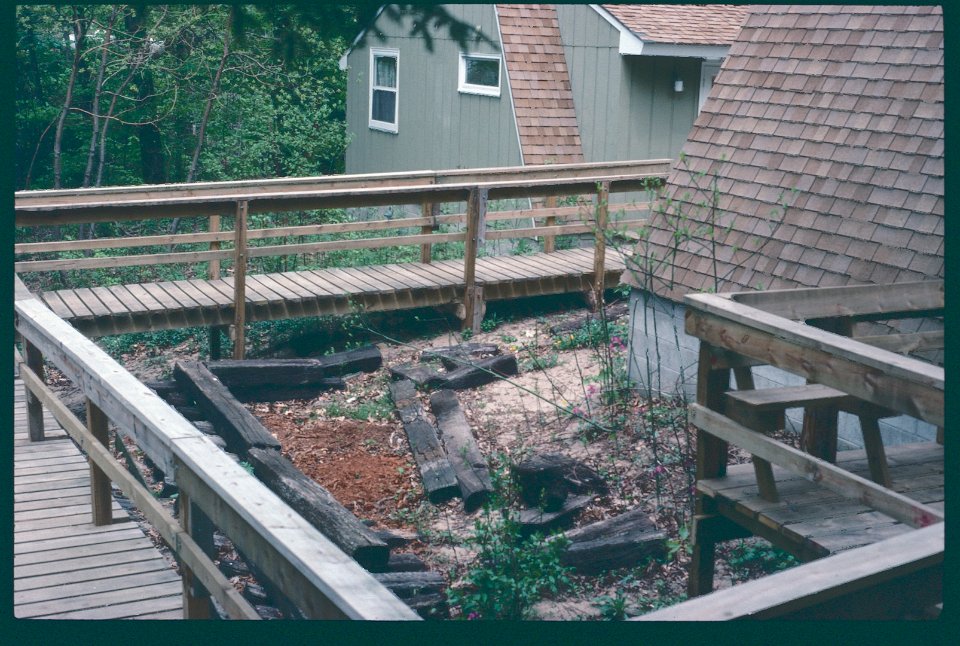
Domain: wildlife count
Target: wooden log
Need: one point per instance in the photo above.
(480, 373)
(455, 356)
(611, 312)
(546, 479)
(621, 541)
(393, 538)
(296, 372)
(283, 393)
(421, 376)
(408, 584)
(319, 508)
(537, 520)
(468, 462)
(406, 563)
(234, 423)
(439, 480)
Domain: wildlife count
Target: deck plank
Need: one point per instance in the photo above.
(64, 566)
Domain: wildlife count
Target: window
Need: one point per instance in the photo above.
(480, 74)
(384, 65)
(708, 72)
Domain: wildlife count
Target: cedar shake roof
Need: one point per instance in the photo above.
(706, 24)
(540, 84)
(844, 106)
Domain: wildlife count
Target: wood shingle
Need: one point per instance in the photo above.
(825, 130)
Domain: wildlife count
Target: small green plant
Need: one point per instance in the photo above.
(753, 557)
(679, 544)
(375, 409)
(613, 608)
(510, 572)
(490, 323)
(466, 334)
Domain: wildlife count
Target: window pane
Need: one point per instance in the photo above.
(386, 71)
(483, 71)
(384, 106)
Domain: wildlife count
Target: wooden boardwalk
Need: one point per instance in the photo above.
(64, 566)
(811, 521)
(118, 309)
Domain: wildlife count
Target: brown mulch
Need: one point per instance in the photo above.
(364, 465)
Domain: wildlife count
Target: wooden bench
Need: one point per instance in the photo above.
(764, 411)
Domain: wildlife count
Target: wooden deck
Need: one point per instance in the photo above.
(810, 521)
(152, 306)
(64, 566)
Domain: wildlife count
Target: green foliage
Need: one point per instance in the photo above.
(752, 557)
(510, 572)
(364, 410)
(595, 333)
(491, 322)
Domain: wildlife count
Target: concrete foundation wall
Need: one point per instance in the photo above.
(663, 360)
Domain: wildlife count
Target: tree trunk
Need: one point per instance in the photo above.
(95, 107)
(214, 90)
(79, 26)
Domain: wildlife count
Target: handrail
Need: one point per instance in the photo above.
(423, 189)
(318, 577)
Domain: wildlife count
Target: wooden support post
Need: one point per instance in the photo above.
(818, 436)
(428, 210)
(876, 456)
(240, 280)
(196, 598)
(476, 223)
(763, 470)
(600, 244)
(101, 496)
(711, 463)
(213, 273)
(34, 407)
(214, 269)
(550, 241)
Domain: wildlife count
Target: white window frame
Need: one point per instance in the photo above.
(708, 71)
(375, 124)
(470, 88)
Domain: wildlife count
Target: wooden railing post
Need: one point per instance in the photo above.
(196, 598)
(600, 243)
(711, 463)
(550, 241)
(34, 360)
(818, 436)
(101, 496)
(213, 273)
(428, 210)
(476, 223)
(240, 280)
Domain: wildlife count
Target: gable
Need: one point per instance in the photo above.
(824, 134)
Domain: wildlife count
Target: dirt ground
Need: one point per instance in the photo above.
(352, 443)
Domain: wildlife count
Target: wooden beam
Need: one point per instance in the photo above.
(213, 271)
(871, 301)
(181, 543)
(476, 223)
(304, 562)
(826, 583)
(905, 343)
(895, 505)
(34, 408)
(550, 241)
(240, 281)
(101, 495)
(884, 378)
(428, 210)
(196, 599)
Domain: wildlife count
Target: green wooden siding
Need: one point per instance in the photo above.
(626, 106)
(438, 127)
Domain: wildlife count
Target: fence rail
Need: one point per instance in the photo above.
(311, 571)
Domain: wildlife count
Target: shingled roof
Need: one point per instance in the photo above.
(706, 24)
(540, 84)
(824, 135)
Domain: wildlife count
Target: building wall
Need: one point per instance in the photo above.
(438, 127)
(626, 105)
(663, 359)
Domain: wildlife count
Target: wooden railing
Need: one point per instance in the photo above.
(427, 190)
(316, 576)
(808, 332)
